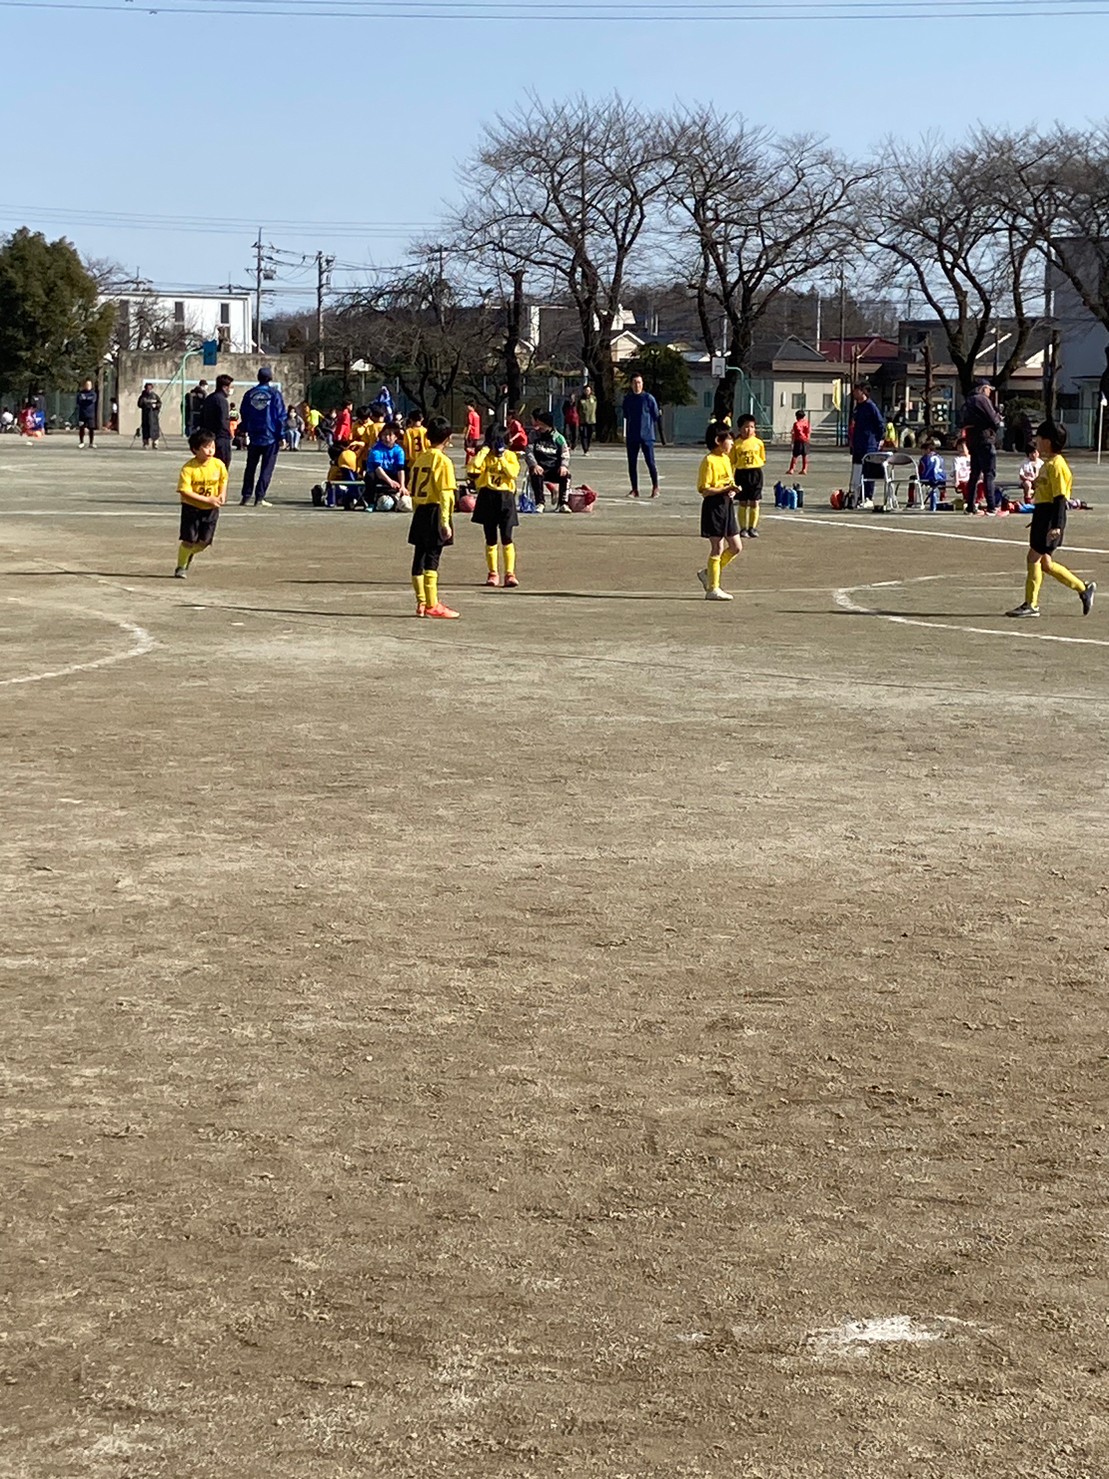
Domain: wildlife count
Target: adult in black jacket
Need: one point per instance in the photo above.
(150, 406)
(193, 402)
(215, 417)
(981, 421)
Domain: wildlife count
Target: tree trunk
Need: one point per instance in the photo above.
(723, 402)
(513, 375)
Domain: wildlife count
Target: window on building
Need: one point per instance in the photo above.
(1069, 402)
(179, 313)
(798, 400)
(225, 313)
(829, 401)
(707, 400)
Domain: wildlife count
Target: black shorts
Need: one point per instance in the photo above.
(198, 525)
(496, 513)
(1043, 521)
(800, 449)
(748, 481)
(718, 517)
(425, 532)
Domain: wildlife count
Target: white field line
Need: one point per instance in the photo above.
(143, 643)
(879, 526)
(844, 599)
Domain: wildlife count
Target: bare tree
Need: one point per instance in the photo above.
(767, 214)
(423, 328)
(938, 216)
(564, 192)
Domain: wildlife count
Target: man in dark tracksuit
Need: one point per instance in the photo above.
(87, 402)
(193, 402)
(263, 420)
(642, 419)
(868, 427)
(215, 417)
(981, 422)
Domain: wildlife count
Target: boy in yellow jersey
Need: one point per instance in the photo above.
(748, 461)
(344, 477)
(1050, 493)
(716, 485)
(414, 438)
(433, 487)
(496, 470)
(202, 488)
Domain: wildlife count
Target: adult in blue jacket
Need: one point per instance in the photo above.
(642, 418)
(262, 417)
(868, 429)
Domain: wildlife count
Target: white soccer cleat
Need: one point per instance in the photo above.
(717, 595)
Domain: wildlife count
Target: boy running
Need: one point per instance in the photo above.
(716, 485)
(1050, 493)
(496, 469)
(433, 487)
(748, 461)
(202, 488)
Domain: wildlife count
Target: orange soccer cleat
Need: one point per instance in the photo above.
(441, 612)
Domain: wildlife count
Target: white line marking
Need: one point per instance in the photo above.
(883, 528)
(843, 599)
(143, 644)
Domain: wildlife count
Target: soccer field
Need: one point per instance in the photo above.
(610, 1035)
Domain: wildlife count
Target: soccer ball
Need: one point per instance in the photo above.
(386, 503)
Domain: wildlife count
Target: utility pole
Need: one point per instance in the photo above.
(265, 270)
(258, 292)
(323, 282)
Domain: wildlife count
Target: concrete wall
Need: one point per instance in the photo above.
(173, 378)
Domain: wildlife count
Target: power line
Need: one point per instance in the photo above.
(149, 221)
(605, 10)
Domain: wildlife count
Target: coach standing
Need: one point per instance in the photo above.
(642, 418)
(981, 422)
(215, 418)
(868, 430)
(263, 420)
(193, 402)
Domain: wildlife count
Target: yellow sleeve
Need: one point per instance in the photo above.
(223, 481)
(704, 477)
(479, 461)
(762, 454)
(512, 465)
(185, 481)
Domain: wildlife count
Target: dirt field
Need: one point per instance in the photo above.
(609, 1036)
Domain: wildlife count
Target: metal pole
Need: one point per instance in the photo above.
(1100, 426)
(258, 292)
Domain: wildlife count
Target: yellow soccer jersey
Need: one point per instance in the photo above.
(345, 462)
(209, 479)
(1055, 480)
(748, 453)
(499, 473)
(433, 481)
(414, 441)
(715, 475)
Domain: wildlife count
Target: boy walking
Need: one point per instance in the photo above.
(748, 461)
(802, 435)
(433, 489)
(202, 488)
(1050, 494)
(716, 485)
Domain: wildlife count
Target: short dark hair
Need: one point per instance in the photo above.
(414, 417)
(438, 430)
(1056, 435)
(715, 432)
(201, 439)
(224, 382)
(389, 427)
(746, 420)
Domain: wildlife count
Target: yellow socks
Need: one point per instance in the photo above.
(726, 558)
(491, 559)
(510, 559)
(431, 587)
(743, 512)
(1032, 583)
(418, 587)
(184, 555)
(1066, 577)
(713, 568)
(753, 516)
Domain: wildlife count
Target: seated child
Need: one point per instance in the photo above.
(933, 474)
(385, 466)
(961, 467)
(343, 483)
(1029, 472)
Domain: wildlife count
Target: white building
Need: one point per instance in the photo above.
(1083, 356)
(149, 318)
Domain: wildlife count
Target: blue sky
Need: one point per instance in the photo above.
(205, 116)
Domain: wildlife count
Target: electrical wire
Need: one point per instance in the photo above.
(600, 11)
